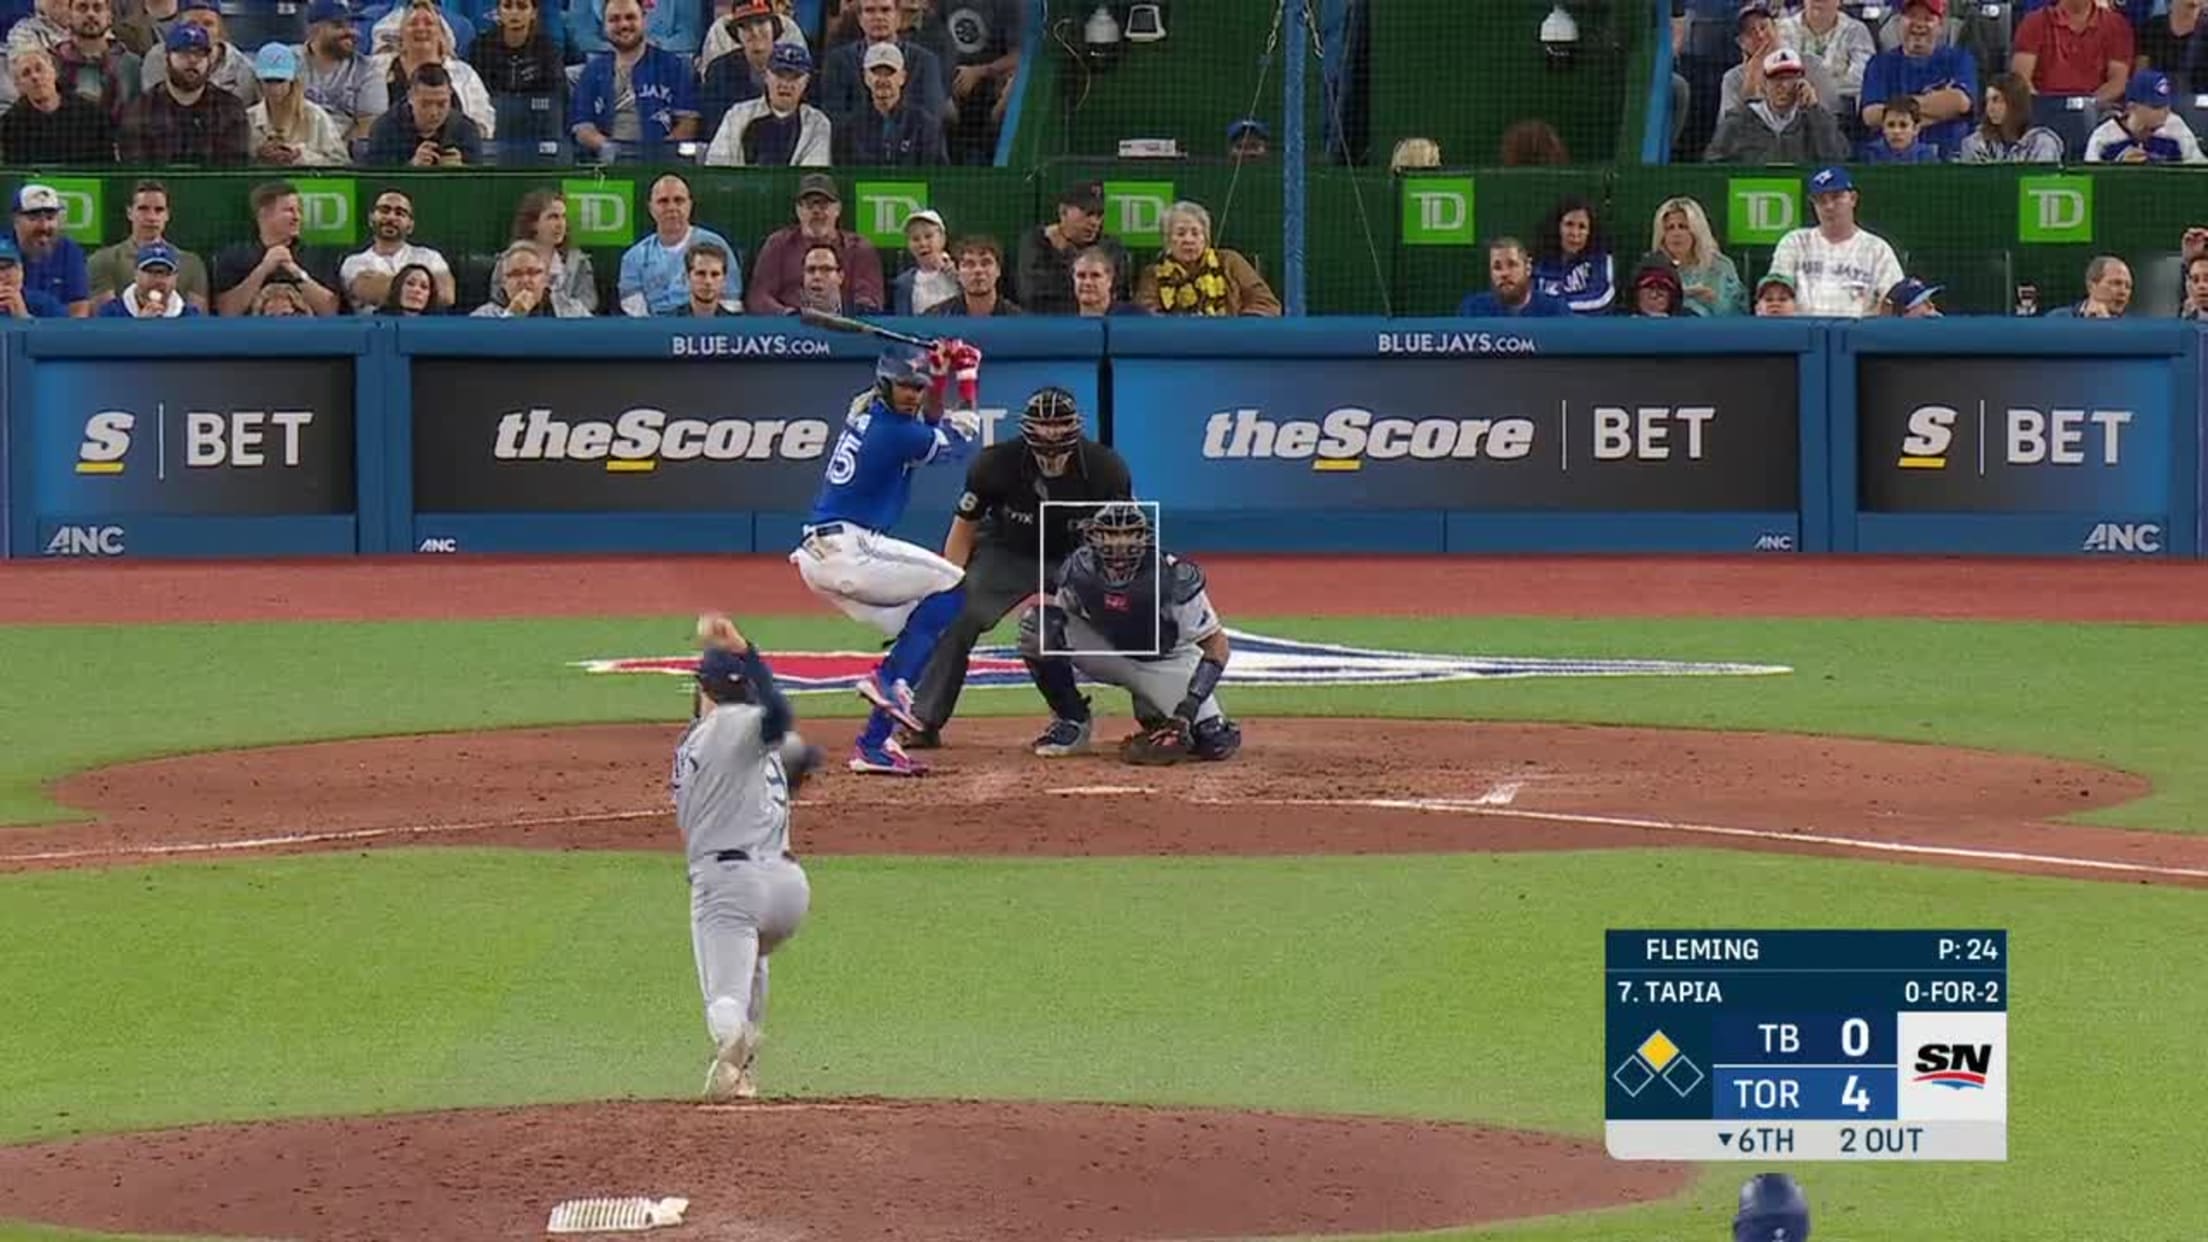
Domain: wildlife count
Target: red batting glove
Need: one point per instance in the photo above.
(965, 361)
(939, 371)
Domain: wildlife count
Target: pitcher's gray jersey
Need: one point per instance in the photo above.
(731, 792)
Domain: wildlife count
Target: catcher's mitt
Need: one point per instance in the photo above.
(1165, 745)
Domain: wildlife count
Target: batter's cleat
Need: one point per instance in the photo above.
(887, 759)
(894, 698)
(920, 739)
(731, 1072)
(1064, 737)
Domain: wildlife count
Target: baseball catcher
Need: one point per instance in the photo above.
(1127, 615)
(1002, 533)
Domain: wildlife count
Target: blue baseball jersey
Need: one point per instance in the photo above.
(869, 479)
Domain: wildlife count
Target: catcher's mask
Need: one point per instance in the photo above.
(1121, 538)
(721, 676)
(1051, 425)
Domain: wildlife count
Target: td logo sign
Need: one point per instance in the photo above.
(326, 214)
(1761, 210)
(2054, 209)
(883, 206)
(600, 213)
(1134, 211)
(1437, 211)
(83, 208)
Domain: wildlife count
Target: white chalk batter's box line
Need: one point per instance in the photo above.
(1157, 566)
(1439, 806)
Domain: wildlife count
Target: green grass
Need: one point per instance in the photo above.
(2126, 696)
(1427, 986)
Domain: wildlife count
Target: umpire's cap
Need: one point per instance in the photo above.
(721, 675)
(1772, 1209)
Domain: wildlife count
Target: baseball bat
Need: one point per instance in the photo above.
(844, 323)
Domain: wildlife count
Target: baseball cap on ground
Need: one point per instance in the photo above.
(276, 62)
(32, 198)
(789, 58)
(185, 37)
(157, 254)
(2149, 87)
(1832, 180)
(884, 54)
(1783, 63)
(817, 185)
(1910, 293)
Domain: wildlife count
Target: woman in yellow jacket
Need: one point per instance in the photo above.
(1194, 277)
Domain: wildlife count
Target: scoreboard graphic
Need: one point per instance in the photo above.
(1806, 1045)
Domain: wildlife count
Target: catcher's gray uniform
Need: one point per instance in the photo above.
(1141, 637)
(747, 892)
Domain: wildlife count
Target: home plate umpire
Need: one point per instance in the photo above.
(997, 529)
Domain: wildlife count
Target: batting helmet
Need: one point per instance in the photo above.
(1122, 540)
(1051, 423)
(721, 676)
(901, 364)
(1772, 1209)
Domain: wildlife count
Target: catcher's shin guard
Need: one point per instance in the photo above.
(1055, 681)
(1215, 739)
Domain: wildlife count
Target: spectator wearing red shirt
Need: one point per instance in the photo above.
(2075, 47)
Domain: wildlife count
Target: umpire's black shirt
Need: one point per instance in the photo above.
(1005, 489)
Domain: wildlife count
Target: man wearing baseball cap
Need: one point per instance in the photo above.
(1786, 126)
(1941, 77)
(738, 55)
(17, 300)
(2148, 132)
(1045, 278)
(1840, 270)
(53, 263)
(185, 120)
(332, 69)
(844, 73)
(153, 294)
(1757, 33)
(888, 132)
(778, 275)
(777, 129)
(227, 68)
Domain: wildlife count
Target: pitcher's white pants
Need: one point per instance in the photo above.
(874, 579)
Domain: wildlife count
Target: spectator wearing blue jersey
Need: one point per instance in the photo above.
(654, 279)
(633, 101)
(2148, 132)
(1942, 77)
(17, 299)
(1571, 260)
(1897, 141)
(1511, 293)
(52, 263)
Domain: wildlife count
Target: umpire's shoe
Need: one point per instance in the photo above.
(1064, 737)
(920, 739)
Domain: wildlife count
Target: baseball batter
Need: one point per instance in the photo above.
(1009, 544)
(734, 773)
(1133, 618)
(848, 558)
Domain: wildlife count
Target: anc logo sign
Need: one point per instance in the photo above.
(1257, 661)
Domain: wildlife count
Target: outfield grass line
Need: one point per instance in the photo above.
(244, 844)
(1456, 807)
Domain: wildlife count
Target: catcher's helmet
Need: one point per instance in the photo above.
(1772, 1209)
(1122, 540)
(901, 364)
(721, 676)
(1051, 423)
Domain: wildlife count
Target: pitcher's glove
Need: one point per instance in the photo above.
(800, 759)
(1162, 746)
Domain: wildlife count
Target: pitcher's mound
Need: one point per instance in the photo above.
(829, 1170)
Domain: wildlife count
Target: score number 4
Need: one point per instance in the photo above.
(1855, 1041)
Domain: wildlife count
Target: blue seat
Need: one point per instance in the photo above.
(531, 130)
(251, 23)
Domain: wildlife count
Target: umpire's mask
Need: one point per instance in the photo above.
(1051, 425)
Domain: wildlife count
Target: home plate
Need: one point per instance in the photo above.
(1103, 789)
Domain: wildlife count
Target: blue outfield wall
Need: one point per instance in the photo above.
(222, 438)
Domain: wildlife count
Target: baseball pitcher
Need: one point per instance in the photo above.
(734, 772)
(848, 558)
(1008, 543)
(1128, 616)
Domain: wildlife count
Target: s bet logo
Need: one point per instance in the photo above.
(106, 442)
